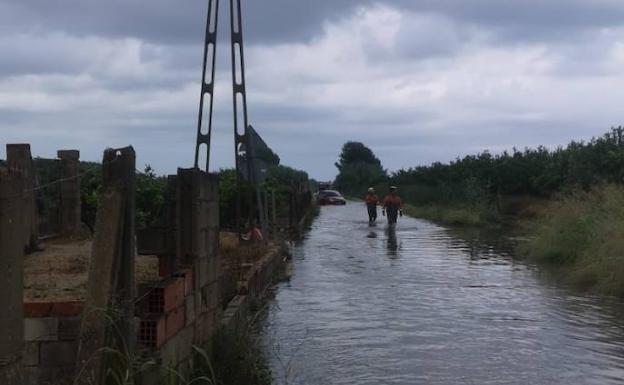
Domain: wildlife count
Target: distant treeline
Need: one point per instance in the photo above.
(538, 171)
(483, 177)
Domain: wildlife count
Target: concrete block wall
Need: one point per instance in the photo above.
(50, 342)
(183, 309)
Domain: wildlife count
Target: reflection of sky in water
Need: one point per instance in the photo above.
(423, 305)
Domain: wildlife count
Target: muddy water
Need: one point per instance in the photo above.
(422, 305)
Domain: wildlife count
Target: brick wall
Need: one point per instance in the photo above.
(50, 342)
(179, 311)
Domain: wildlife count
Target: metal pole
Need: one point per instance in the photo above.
(208, 86)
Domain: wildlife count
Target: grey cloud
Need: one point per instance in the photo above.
(288, 20)
(146, 102)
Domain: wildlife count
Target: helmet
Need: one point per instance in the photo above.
(371, 190)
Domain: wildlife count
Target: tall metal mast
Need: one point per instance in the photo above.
(243, 143)
(204, 136)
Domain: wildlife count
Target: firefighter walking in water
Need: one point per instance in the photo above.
(371, 204)
(392, 206)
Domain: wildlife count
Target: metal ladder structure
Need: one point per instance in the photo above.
(243, 149)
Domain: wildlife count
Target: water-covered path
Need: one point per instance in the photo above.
(423, 306)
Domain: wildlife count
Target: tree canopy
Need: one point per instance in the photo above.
(358, 169)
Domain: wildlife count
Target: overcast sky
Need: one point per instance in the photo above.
(416, 80)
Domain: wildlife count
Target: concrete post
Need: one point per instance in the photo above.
(198, 241)
(291, 208)
(70, 193)
(109, 311)
(19, 158)
(274, 208)
(12, 232)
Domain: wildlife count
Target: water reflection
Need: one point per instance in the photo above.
(392, 244)
(421, 304)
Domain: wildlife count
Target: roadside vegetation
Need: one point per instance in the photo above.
(282, 181)
(568, 202)
(151, 187)
(582, 233)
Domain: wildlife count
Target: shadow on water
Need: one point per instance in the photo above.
(392, 244)
(483, 243)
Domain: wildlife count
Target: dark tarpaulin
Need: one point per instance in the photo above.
(261, 156)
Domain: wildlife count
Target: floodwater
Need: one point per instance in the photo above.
(423, 305)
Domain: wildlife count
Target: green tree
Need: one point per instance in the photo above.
(358, 169)
(150, 196)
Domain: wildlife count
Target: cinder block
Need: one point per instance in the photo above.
(213, 296)
(58, 375)
(41, 329)
(209, 298)
(205, 326)
(203, 273)
(214, 267)
(37, 309)
(31, 375)
(69, 328)
(175, 321)
(178, 349)
(190, 309)
(30, 354)
(58, 353)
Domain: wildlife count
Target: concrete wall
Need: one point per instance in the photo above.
(13, 230)
(184, 308)
(50, 342)
(42, 342)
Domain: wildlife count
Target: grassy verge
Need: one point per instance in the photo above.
(234, 358)
(582, 234)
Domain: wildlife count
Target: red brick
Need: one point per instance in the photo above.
(162, 297)
(67, 309)
(173, 295)
(175, 321)
(164, 267)
(37, 309)
(187, 274)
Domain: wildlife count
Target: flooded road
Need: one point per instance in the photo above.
(424, 306)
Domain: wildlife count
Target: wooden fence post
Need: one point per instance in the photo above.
(12, 230)
(109, 312)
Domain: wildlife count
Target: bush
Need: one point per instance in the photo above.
(583, 231)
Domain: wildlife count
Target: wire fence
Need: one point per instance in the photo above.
(58, 181)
